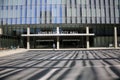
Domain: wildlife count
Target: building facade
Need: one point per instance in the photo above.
(38, 24)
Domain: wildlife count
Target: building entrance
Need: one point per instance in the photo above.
(73, 42)
(42, 42)
(64, 42)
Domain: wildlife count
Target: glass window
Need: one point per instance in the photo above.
(116, 2)
(78, 1)
(48, 14)
(112, 20)
(117, 20)
(98, 12)
(9, 21)
(78, 10)
(58, 11)
(33, 2)
(0, 14)
(68, 12)
(63, 10)
(92, 2)
(74, 12)
(64, 1)
(28, 21)
(103, 19)
(14, 13)
(107, 20)
(28, 11)
(88, 2)
(112, 11)
(13, 21)
(111, 2)
(116, 12)
(83, 20)
(73, 3)
(68, 20)
(63, 20)
(23, 2)
(102, 3)
(10, 12)
(83, 12)
(48, 20)
(20, 2)
(102, 12)
(23, 11)
(28, 2)
(93, 20)
(98, 20)
(107, 11)
(57, 20)
(48, 1)
(54, 12)
(38, 20)
(78, 20)
(23, 20)
(88, 12)
(4, 21)
(5, 2)
(73, 20)
(83, 2)
(97, 3)
(18, 12)
(53, 19)
(1, 2)
(38, 11)
(106, 2)
(58, 1)
(88, 20)
(53, 1)
(18, 20)
(33, 21)
(4, 13)
(33, 11)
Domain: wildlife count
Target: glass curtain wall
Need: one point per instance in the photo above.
(8, 42)
(59, 11)
(104, 36)
(118, 35)
(22, 12)
(11, 37)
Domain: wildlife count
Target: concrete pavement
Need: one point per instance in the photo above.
(11, 52)
(61, 65)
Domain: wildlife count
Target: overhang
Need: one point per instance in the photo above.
(82, 34)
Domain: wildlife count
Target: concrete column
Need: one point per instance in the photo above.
(57, 30)
(115, 37)
(28, 38)
(58, 42)
(87, 38)
(1, 30)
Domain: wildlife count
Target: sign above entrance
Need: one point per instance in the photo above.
(91, 34)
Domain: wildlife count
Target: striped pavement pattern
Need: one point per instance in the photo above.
(61, 65)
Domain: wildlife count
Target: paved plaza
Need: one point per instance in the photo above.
(61, 65)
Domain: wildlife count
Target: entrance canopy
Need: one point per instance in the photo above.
(92, 34)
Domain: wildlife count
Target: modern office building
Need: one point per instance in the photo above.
(38, 24)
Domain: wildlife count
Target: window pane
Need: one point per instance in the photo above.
(83, 12)
(68, 12)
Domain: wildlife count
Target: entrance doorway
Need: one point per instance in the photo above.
(73, 42)
(42, 42)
